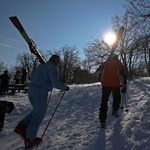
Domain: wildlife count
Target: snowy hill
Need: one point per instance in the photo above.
(75, 125)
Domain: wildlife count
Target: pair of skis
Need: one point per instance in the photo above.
(119, 36)
(31, 43)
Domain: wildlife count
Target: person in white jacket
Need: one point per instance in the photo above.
(43, 80)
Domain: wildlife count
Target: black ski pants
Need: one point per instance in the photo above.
(106, 91)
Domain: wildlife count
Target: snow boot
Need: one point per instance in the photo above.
(21, 129)
(115, 113)
(103, 123)
(32, 142)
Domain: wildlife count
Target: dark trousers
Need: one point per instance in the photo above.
(106, 91)
(3, 89)
(17, 81)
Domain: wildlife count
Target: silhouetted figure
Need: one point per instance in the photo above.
(23, 76)
(17, 77)
(4, 82)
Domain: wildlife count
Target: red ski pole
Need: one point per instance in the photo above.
(51, 118)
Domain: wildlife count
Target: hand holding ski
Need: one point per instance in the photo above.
(33, 49)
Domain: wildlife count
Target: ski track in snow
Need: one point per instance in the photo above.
(76, 126)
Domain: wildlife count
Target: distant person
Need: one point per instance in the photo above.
(17, 77)
(4, 82)
(23, 76)
(43, 80)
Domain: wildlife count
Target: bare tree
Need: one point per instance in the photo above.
(139, 13)
(95, 53)
(3, 67)
(28, 62)
(128, 48)
(139, 9)
(69, 60)
(144, 50)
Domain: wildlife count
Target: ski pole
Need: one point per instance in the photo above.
(124, 99)
(48, 101)
(125, 103)
(51, 117)
(122, 103)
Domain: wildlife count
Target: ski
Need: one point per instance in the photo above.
(31, 43)
(107, 46)
(119, 36)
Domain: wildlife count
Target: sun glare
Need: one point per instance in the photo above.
(110, 38)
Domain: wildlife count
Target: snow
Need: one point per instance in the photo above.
(75, 125)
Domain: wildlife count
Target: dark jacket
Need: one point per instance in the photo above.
(4, 80)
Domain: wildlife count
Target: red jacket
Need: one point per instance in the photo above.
(110, 73)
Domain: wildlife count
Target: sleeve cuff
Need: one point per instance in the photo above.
(124, 86)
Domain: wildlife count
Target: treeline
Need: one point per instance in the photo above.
(133, 50)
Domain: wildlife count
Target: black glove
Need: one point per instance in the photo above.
(67, 88)
(124, 90)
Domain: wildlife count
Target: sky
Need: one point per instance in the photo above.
(54, 23)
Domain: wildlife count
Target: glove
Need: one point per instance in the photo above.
(124, 88)
(67, 88)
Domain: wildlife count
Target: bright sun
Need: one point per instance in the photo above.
(110, 38)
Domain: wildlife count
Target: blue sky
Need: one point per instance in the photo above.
(54, 23)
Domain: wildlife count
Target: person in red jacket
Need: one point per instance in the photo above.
(110, 78)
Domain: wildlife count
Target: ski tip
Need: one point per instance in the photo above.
(12, 17)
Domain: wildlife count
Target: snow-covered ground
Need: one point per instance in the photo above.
(75, 125)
